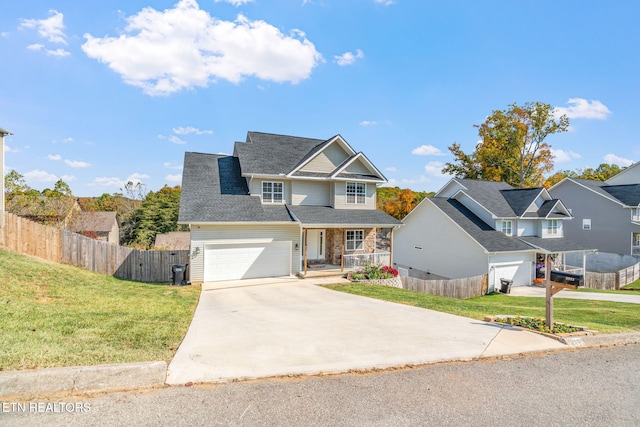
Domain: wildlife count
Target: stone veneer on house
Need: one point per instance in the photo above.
(336, 239)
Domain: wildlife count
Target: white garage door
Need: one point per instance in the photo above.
(520, 274)
(246, 261)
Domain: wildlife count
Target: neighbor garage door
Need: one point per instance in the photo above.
(520, 273)
(246, 261)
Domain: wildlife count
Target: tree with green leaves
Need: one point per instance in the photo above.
(158, 213)
(602, 173)
(512, 147)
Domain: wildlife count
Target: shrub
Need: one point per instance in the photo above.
(373, 272)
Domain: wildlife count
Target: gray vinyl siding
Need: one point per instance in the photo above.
(419, 244)
(327, 160)
(225, 234)
(340, 197)
(311, 193)
(255, 189)
(358, 168)
(611, 226)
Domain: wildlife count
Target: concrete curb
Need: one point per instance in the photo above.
(83, 378)
(603, 340)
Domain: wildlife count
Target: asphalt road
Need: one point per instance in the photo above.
(587, 387)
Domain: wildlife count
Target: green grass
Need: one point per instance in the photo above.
(602, 316)
(58, 315)
(635, 286)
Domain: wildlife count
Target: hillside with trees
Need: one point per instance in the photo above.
(398, 202)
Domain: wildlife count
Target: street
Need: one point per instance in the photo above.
(588, 387)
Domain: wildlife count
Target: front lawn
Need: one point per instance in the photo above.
(602, 316)
(59, 315)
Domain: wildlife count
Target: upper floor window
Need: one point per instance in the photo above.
(507, 228)
(586, 223)
(272, 192)
(356, 192)
(635, 214)
(552, 227)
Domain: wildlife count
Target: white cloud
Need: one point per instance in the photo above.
(60, 53)
(234, 2)
(427, 150)
(76, 163)
(561, 156)
(35, 46)
(617, 160)
(8, 149)
(176, 140)
(391, 169)
(137, 177)
(174, 177)
(163, 52)
(54, 157)
(368, 123)
(348, 58)
(51, 28)
(419, 180)
(385, 2)
(68, 178)
(434, 168)
(40, 176)
(189, 129)
(580, 108)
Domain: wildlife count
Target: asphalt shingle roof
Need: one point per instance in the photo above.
(212, 191)
(555, 245)
(489, 238)
(628, 194)
(271, 154)
(94, 221)
(325, 215)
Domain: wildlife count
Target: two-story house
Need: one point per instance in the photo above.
(280, 205)
(471, 227)
(607, 213)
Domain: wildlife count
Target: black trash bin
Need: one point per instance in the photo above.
(505, 286)
(179, 274)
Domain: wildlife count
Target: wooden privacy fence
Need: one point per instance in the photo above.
(27, 237)
(120, 261)
(468, 287)
(612, 279)
(62, 246)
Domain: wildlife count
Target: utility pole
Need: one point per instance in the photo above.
(3, 133)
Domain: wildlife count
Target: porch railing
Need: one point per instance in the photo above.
(573, 270)
(354, 261)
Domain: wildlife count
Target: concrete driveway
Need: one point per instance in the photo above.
(287, 326)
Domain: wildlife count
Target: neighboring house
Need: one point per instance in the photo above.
(629, 175)
(174, 240)
(57, 211)
(279, 206)
(103, 226)
(474, 227)
(607, 217)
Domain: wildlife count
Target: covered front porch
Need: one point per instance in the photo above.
(335, 251)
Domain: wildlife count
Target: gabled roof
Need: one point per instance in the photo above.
(487, 237)
(271, 154)
(628, 175)
(214, 191)
(502, 200)
(100, 222)
(626, 195)
(339, 172)
(496, 241)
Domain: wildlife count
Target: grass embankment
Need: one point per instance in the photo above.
(602, 316)
(58, 315)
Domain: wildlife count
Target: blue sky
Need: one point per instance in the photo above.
(101, 92)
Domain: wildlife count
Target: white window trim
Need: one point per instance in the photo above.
(272, 193)
(356, 194)
(586, 223)
(507, 230)
(553, 230)
(354, 241)
(635, 214)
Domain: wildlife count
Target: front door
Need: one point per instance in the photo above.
(315, 244)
